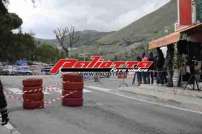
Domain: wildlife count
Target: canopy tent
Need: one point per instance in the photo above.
(194, 32)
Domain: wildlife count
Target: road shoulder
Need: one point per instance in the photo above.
(173, 103)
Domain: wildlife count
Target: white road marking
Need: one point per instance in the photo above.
(16, 90)
(99, 88)
(11, 129)
(86, 91)
(145, 101)
(60, 91)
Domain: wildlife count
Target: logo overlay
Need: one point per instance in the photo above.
(98, 64)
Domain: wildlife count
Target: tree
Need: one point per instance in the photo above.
(3, 9)
(67, 37)
(17, 46)
(13, 46)
(47, 53)
(24, 46)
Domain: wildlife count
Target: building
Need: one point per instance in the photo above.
(187, 38)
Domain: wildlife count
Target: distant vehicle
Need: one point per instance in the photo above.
(9, 70)
(2, 72)
(23, 70)
(46, 70)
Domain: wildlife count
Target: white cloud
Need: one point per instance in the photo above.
(101, 15)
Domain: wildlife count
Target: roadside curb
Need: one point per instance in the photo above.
(169, 100)
(152, 96)
(175, 90)
(141, 94)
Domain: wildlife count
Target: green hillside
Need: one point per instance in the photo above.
(146, 28)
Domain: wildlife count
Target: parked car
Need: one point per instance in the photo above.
(23, 70)
(9, 70)
(2, 72)
(46, 70)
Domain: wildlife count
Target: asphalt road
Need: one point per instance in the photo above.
(102, 113)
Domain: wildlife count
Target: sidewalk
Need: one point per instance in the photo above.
(187, 98)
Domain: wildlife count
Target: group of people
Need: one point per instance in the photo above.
(157, 70)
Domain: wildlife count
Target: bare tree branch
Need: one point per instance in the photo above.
(67, 37)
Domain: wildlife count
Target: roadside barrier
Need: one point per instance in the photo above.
(51, 101)
(13, 97)
(72, 82)
(33, 92)
(33, 100)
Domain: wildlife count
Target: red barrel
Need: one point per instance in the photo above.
(72, 102)
(33, 96)
(72, 77)
(72, 85)
(72, 94)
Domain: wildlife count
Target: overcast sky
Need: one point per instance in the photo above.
(100, 15)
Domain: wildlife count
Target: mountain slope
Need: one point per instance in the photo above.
(147, 27)
(87, 38)
(124, 43)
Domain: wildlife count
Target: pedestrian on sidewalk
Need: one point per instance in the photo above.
(3, 106)
(151, 73)
(161, 74)
(138, 74)
(145, 75)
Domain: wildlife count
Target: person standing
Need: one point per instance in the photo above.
(169, 64)
(138, 74)
(151, 73)
(161, 77)
(145, 75)
(3, 106)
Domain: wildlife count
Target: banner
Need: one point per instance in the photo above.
(185, 12)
